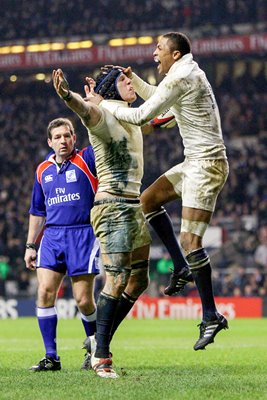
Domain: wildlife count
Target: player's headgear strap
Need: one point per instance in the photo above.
(106, 84)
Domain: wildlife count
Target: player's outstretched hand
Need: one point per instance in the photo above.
(126, 70)
(60, 83)
(90, 94)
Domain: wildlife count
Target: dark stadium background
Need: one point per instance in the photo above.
(229, 41)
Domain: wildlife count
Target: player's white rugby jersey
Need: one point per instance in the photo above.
(187, 92)
(118, 148)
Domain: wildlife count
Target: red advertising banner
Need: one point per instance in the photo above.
(147, 308)
(101, 54)
(190, 308)
(231, 45)
(97, 55)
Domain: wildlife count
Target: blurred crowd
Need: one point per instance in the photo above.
(60, 18)
(240, 264)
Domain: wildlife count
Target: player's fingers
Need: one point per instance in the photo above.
(54, 77)
(128, 72)
(91, 85)
(107, 66)
(90, 81)
(86, 90)
(88, 94)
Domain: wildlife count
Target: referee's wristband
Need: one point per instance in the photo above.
(68, 96)
(31, 246)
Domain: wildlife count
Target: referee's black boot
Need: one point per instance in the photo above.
(47, 364)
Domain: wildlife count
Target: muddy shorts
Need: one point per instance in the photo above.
(120, 226)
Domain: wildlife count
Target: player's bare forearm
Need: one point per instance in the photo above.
(86, 110)
(78, 105)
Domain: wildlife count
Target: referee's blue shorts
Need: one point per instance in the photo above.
(69, 249)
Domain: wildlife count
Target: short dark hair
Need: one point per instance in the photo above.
(55, 123)
(178, 41)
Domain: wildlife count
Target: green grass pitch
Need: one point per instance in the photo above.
(155, 359)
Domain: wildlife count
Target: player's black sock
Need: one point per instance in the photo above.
(200, 267)
(125, 305)
(106, 309)
(161, 223)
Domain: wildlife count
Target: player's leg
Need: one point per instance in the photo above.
(116, 225)
(198, 259)
(117, 268)
(194, 224)
(48, 284)
(153, 198)
(137, 284)
(202, 182)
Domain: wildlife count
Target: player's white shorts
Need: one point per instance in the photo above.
(198, 182)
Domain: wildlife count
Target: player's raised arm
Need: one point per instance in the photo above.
(88, 112)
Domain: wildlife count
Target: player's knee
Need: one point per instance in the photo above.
(149, 202)
(139, 286)
(139, 278)
(116, 279)
(145, 202)
(143, 282)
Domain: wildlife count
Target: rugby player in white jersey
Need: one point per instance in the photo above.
(117, 217)
(198, 180)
